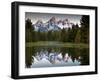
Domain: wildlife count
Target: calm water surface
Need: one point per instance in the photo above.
(56, 56)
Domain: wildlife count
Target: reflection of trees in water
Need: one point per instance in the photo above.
(28, 57)
(85, 57)
(52, 54)
(74, 53)
(80, 54)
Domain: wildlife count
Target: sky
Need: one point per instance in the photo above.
(47, 16)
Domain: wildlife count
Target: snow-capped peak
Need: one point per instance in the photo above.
(52, 24)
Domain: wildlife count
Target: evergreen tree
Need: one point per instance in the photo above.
(78, 37)
(28, 26)
(63, 35)
(72, 34)
(85, 29)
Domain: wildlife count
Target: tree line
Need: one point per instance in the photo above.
(75, 34)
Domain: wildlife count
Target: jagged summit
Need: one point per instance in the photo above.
(52, 24)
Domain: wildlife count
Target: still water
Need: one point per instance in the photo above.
(56, 56)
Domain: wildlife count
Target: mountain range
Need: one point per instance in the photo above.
(52, 25)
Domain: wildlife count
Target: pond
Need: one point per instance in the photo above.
(56, 56)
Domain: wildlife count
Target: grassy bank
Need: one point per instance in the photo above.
(58, 44)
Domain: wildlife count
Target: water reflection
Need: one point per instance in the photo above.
(54, 56)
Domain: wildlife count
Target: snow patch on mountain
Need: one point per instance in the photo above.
(52, 24)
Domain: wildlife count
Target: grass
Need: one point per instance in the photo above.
(57, 44)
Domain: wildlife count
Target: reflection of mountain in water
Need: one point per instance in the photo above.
(56, 56)
(45, 58)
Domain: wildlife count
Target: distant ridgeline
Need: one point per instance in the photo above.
(51, 25)
(62, 30)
